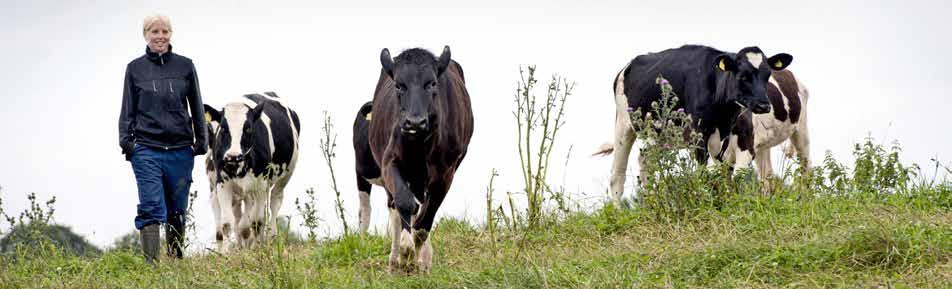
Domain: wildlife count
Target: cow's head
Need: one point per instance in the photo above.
(416, 73)
(746, 74)
(234, 139)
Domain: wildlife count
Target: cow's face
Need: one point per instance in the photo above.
(416, 75)
(747, 75)
(234, 139)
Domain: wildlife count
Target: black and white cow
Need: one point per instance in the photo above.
(787, 120)
(367, 171)
(255, 152)
(212, 118)
(713, 87)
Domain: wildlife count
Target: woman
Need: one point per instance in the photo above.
(161, 129)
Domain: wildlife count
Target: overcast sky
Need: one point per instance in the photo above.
(873, 67)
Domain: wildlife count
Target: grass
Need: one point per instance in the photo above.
(755, 242)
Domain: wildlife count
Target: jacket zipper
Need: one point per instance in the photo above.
(153, 87)
(171, 89)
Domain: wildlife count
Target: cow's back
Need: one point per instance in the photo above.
(689, 69)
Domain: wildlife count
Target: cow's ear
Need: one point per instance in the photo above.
(780, 61)
(444, 60)
(386, 61)
(724, 62)
(212, 114)
(255, 113)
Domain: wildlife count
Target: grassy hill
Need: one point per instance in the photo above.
(752, 242)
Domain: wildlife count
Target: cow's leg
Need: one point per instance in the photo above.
(238, 211)
(624, 139)
(395, 229)
(405, 206)
(742, 157)
(764, 163)
(401, 245)
(216, 215)
(435, 194)
(713, 145)
(801, 142)
(255, 196)
(225, 198)
(764, 168)
(260, 215)
(277, 197)
(426, 256)
(363, 188)
(642, 175)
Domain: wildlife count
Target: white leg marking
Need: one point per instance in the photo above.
(364, 211)
(395, 229)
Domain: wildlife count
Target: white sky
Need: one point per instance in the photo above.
(878, 67)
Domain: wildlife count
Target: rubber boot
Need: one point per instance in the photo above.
(150, 243)
(175, 235)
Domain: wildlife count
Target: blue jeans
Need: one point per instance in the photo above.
(163, 178)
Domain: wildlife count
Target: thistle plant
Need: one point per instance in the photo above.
(675, 185)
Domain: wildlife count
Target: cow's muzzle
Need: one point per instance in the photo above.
(415, 126)
(233, 161)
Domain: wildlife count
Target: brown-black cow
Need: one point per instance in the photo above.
(421, 126)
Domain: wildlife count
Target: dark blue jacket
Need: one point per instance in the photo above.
(158, 93)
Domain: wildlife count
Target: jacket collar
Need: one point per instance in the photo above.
(156, 58)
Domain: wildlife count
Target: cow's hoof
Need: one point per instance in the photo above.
(423, 266)
(402, 268)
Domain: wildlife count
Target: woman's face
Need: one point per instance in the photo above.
(158, 37)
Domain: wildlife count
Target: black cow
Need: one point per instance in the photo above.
(713, 87)
(367, 171)
(255, 152)
(420, 130)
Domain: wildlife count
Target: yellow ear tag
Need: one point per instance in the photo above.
(208, 117)
(779, 64)
(368, 115)
(722, 66)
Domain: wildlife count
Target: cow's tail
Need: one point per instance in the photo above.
(604, 150)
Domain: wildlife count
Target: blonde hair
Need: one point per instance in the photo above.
(151, 20)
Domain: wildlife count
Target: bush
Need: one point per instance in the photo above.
(33, 234)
